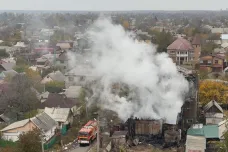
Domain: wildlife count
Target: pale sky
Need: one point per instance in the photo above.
(97, 5)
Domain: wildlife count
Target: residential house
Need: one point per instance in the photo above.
(213, 113)
(73, 92)
(43, 50)
(42, 63)
(45, 61)
(225, 46)
(196, 43)
(181, 51)
(55, 100)
(188, 114)
(222, 127)
(199, 138)
(212, 63)
(8, 117)
(78, 76)
(65, 45)
(54, 76)
(219, 30)
(224, 38)
(64, 116)
(6, 66)
(42, 121)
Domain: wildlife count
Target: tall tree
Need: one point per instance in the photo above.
(210, 90)
(30, 142)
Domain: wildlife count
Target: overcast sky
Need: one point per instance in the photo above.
(96, 5)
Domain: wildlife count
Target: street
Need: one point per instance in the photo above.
(81, 149)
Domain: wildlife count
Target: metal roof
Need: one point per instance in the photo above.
(8, 66)
(208, 131)
(73, 92)
(44, 122)
(210, 104)
(211, 131)
(57, 76)
(16, 125)
(58, 114)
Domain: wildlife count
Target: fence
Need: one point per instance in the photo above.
(5, 143)
(50, 143)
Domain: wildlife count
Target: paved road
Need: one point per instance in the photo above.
(81, 149)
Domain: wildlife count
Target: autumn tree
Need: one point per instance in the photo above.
(30, 142)
(126, 24)
(35, 78)
(210, 90)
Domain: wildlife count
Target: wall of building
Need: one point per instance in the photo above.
(13, 134)
(49, 134)
(197, 52)
(28, 127)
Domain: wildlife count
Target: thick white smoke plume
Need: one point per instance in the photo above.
(156, 88)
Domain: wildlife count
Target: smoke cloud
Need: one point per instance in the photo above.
(155, 89)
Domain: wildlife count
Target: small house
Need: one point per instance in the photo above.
(213, 113)
(212, 63)
(42, 121)
(199, 138)
(63, 116)
(54, 76)
(55, 100)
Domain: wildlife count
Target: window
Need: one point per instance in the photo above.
(201, 61)
(71, 78)
(216, 61)
(209, 61)
(189, 121)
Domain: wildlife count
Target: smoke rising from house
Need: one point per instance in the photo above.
(155, 89)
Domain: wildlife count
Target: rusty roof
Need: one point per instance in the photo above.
(180, 44)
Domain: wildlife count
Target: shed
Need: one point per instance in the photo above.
(213, 113)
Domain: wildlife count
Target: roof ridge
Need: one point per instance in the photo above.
(184, 40)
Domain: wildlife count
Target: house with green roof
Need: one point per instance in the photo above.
(198, 136)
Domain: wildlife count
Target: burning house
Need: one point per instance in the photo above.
(188, 114)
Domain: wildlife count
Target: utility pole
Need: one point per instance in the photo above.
(42, 141)
(98, 134)
(87, 99)
(42, 145)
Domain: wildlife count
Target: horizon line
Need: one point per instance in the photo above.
(11, 10)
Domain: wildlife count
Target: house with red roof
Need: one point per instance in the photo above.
(181, 51)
